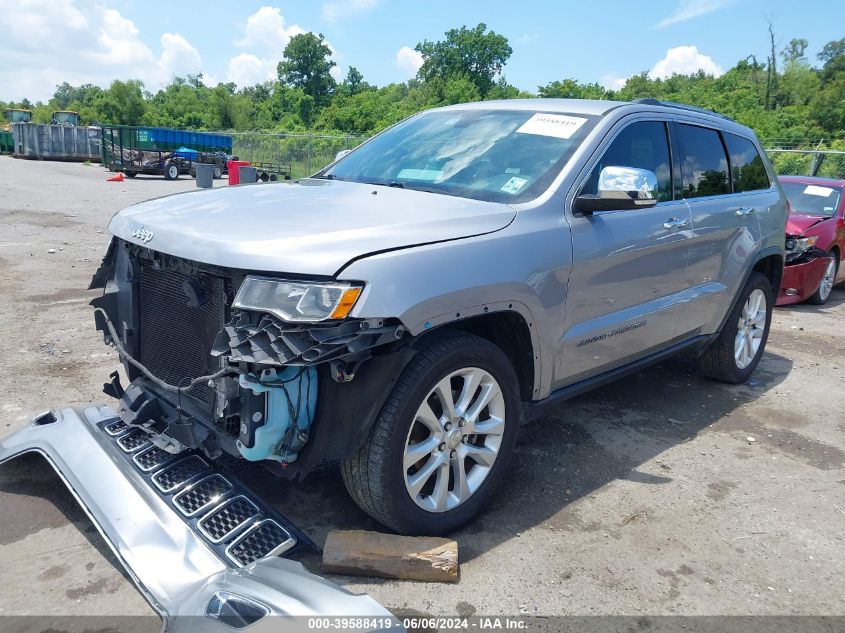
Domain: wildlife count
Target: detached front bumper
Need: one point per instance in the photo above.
(801, 280)
(172, 546)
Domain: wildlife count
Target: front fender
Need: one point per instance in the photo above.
(519, 270)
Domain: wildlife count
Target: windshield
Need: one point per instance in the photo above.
(812, 199)
(19, 116)
(65, 117)
(492, 155)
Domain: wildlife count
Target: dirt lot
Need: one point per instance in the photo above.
(662, 494)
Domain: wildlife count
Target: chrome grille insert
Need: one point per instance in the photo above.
(202, 495)
(116, 428)
(180, 473)
(266, 538)
(133, 441)
(151, 458)
(227, 519)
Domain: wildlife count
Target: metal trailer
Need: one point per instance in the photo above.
(272, 171)
(56, 142)
(156, 151)
(152, 162)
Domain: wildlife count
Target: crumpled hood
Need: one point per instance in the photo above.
(308, 227)
(797, 223)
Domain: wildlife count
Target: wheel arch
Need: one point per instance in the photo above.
(510, 332)
(769, 264)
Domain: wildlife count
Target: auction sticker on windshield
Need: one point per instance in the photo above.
(815, 190)
(513, 185)
(557, 125)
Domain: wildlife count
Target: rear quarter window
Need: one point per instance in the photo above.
(747, 170)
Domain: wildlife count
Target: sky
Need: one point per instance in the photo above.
(46, 42)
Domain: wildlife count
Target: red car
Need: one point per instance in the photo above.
(815, 239)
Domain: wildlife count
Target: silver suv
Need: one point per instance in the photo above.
(404, 310)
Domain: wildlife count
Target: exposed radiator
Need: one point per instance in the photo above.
(175, 337)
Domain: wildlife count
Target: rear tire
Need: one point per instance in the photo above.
(822, 293)
(734, 355)
(218, 172)
(423, 470)
(130, 174)
(171, 171)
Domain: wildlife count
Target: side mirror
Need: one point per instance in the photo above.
(621, 189)
(341, 154)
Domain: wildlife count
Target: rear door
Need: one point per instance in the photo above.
(628, 268)
(726, 186)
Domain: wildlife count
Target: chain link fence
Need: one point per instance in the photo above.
(826, 163)
(304, 154)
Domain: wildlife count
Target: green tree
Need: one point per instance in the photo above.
(831, 51)
(572, 89)
(794, 51)
(475, 54)
(354, 82)
(123, 103)
(307, 64)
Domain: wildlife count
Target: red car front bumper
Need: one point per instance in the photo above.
(801, 280)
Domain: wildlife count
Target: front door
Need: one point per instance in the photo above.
(629, 267)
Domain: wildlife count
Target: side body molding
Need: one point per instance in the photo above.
(177, 571)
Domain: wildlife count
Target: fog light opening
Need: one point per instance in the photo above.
(48, 417)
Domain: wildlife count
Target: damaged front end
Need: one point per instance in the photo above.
(223, 361)
(804, 269)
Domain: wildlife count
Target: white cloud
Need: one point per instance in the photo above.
(82, 41)
(409, 60)
(336, 10)
(612, 81)
(690, 9)
(266, 29)
(684, 60)
(178, 57)
(246, 69)
(337, 73)
(265, 36)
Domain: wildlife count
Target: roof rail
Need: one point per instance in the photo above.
(681, 106)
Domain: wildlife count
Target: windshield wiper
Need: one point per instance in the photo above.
(395, 183)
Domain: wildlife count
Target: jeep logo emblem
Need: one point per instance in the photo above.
(143, 234)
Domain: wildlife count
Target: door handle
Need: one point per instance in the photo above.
(675, 223)
(744, 210)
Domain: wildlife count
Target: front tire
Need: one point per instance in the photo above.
(441, 444)
(822, 293)
(734, 355)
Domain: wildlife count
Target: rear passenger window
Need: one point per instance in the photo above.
(747, 170)
(643, 145)
(705, 167)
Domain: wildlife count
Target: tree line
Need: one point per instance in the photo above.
(786, 98)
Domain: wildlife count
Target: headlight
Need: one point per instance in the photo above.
(800, 244)
(296, 300)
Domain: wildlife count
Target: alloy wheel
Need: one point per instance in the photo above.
(750, 329)
(826, 284)
(454, 439)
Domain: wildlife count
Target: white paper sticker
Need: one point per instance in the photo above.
(557, 125)
(513, 185)
(815, 190)
(420, 174)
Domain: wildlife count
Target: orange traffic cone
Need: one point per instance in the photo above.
(118, 177)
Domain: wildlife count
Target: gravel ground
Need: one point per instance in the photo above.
(662, 494)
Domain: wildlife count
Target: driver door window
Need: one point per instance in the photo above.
(644, 145)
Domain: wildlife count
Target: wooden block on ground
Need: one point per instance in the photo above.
(363, 553)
